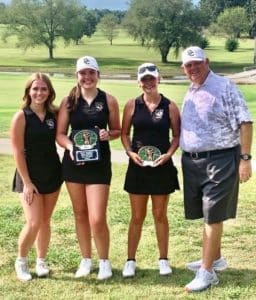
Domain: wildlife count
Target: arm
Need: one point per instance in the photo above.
(113, 122)
(62, 128)
(17, 141)
(174, 115)
(125, 133)
(245, 166)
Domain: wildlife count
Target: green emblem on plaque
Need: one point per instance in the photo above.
(148, 155)
(85, 139)
(86, 145)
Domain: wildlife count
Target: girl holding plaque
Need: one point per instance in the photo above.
(38, 174)
(150, 172)
(93, 116)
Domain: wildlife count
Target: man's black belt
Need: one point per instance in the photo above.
(198, 155)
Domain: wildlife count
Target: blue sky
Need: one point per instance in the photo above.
(100, 4)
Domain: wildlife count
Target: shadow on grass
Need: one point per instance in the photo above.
(145, 277)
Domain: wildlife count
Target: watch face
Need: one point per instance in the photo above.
(245, 156)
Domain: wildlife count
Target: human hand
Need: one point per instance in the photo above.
(70, 149)
(29, 190)
(245, 170)
(103, 134)
(162, 159)
(135, 157)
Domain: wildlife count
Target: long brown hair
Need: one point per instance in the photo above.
(73, 97)
(49, 102)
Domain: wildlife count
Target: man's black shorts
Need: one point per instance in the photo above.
(211, 185)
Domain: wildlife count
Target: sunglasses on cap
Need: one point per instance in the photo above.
(149, 68)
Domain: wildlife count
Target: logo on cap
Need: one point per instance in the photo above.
(86, 61)
(190, 52)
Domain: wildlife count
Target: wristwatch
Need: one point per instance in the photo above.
(246, 156)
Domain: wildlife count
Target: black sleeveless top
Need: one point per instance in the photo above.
(151, 129)
(86, 116)
(41, 154)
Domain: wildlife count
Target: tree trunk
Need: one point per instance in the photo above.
(164, 57)
(254, 57)
(164, 53)
(50, 52)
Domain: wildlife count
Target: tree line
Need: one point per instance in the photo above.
(161, 24)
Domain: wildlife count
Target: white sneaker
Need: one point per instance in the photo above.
(164, 267)
(105, 271)
(85, 268)
(21, 268)
(218, 265)
(202, 281)
(129, 269)
(42, 268)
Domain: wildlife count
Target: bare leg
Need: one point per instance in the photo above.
(79, 202)
(138, 211)
(97, 200)
(159, 209)
(211, 244)
(33, 216)
(44, 233)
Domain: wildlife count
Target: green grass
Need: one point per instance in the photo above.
(122, 57)
(238, 282)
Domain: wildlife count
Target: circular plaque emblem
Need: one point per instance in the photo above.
(85, 139)
(148, 155)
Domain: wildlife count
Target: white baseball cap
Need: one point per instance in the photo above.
(87, 62)
(147, 69)
(192, 53)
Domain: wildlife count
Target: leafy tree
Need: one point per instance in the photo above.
(212, 9)
(41, 22)
(109, 27)
(99, 13)
(251, 11)
(2, 13)
(164, 24)
(82, 23)
(232, 21)
(231, 44)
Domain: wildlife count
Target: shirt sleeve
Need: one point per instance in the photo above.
(237, 108)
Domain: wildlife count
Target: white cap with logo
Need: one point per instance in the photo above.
(192, 53)
(147, 69)
(86, 62)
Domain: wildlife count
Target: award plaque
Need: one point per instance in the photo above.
(86, 145)
(148, 155)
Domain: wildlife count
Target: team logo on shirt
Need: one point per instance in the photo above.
(99, 106)
(50, 123)
(158, 114)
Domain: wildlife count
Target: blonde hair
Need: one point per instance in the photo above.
(49, 102)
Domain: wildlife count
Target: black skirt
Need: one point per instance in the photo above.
(90, 173)
(159, 180)
(45, 182)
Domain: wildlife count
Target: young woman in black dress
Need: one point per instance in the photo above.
(151, 172)
(38, 174)
(86, 108)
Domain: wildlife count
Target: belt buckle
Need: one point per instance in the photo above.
(194, 155)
